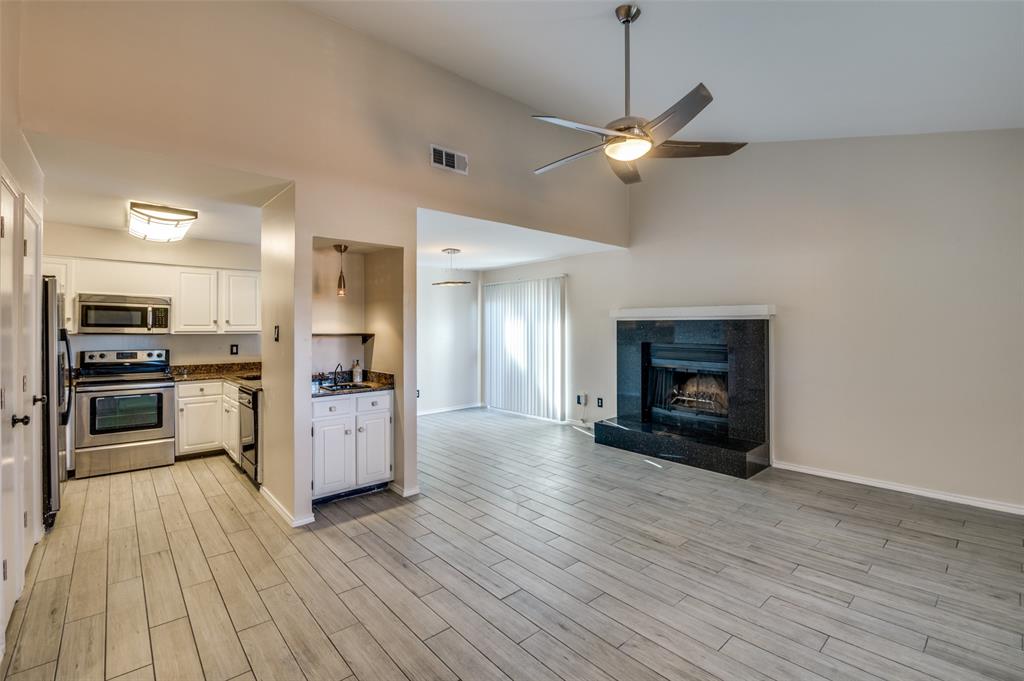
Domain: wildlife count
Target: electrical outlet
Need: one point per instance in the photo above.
(579, 399)
(234, 348)
(417, 392)
(277, 333)
(600, 402)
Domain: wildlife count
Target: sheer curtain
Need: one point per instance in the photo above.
(524, 347)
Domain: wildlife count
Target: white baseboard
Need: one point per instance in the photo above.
(279, 507)
(442, 410)
(1003, 506)
(400, 491)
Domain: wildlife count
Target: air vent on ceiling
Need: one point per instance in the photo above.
(449, 160)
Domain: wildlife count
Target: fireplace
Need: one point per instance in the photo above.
(686, 384)
(693, 391)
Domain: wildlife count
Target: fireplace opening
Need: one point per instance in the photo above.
(687, 385)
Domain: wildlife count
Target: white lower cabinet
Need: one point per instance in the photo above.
(229, 429)
(334, 461)
(373, 447)
(352, 442)
(199, 424)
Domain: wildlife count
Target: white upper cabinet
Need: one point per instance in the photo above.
(239, 301)
(194, 308)
(203, 299)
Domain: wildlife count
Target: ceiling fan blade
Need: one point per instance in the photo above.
(567, 159)
(626, 170)
(679, 114)
(674, 149)
(593, 129)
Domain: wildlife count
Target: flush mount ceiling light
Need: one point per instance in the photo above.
(341, 248)
(159, 223)
(452, 252)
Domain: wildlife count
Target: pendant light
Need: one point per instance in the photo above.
(159, 223)
(452, 252)
(341, 248)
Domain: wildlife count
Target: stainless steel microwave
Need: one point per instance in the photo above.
(123, 314)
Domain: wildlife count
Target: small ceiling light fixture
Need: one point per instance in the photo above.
(629, 148)
(452, 252)
(341, 249)
(159, 223)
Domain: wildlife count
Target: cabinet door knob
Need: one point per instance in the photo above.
(348, 432)
(181, 409)
(202, 390)
(332, 409)
(361, 429)
(374, 403)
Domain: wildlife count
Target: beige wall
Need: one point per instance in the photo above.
(387, 308)
(281, 92)
(896, 266)
(14, 150)
(285, 405)
(447, 340)
(79, 241)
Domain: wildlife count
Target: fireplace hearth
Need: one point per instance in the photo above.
(693, 391)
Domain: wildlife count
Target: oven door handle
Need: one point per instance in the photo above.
(133, 388)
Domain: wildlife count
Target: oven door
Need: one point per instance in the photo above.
(118, 414)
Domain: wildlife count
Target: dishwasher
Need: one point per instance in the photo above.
(250, 435)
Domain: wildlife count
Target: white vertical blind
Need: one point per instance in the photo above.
(524, 347)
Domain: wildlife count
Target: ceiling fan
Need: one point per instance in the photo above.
(629, 138)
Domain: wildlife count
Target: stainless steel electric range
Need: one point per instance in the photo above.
(124, 411)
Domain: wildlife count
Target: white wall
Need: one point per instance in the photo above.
(332, 314)
(447, 340)
(81, 241)
(896, 266)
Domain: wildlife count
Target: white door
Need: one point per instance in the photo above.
(230, 435)
(240, 301)
(195, 306)
(10, 405)
(373, 447)
(199, 424)
(64, 270)
(30, 361)
(334, 460)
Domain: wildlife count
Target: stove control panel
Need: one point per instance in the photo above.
(123, 356)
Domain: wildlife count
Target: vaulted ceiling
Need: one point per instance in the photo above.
(777, 70)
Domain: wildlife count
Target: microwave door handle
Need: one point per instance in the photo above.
(149, 318)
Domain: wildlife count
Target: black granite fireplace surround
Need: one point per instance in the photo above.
(693, 391)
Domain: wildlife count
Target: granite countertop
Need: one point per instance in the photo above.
(232, 373)
(373, 381)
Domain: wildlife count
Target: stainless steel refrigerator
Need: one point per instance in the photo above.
(56, 450)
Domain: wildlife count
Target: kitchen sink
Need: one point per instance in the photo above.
(338, 387)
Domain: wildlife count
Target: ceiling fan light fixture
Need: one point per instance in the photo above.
(627, 149)
(152, 222)
(451, 253)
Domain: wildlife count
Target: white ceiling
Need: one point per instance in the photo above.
(490, 245)
(777, 70)
(90, 184)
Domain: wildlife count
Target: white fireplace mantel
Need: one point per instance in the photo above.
(699, 312)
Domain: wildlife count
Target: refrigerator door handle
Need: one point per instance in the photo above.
(67, 383)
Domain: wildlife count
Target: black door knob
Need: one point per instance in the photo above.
(24, 420)
(37, 399)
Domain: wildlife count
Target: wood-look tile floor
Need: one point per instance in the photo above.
(531, 554)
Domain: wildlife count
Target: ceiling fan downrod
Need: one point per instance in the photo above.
(627, 14)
